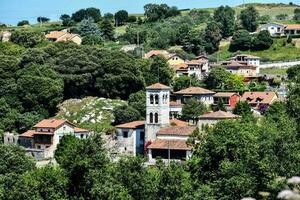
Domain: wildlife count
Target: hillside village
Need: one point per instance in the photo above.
(182, 105)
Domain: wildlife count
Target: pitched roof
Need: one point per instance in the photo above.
(178, 122)
(55, 34)
(131, 125)
(194, 90)
(234, 64)
(246, 55)
(195, 62)
(218, 115)
(180, 67)
(259, 97)
(225, 94)
(156, 53)
(158, 86)
(169, 144)
(176, 130)
(78, 130)
(28, 133)
(51, 123)
(292, 27)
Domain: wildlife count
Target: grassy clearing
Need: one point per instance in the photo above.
(274, 71)
(45, 27)
(279, 51)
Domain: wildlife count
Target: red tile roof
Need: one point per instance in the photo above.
(156, 53)
(169, 144)
(132, 125)
(225, 94)
(158, 86)
(176, 130)
(180, 67)
(178, 122)
(78, 130)
(28, 133)
(259, 97)
(194, 90)
(292, 27)
(51, 123)
(55, 34)
(219, 115)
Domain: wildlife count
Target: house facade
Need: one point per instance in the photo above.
(43, 139)
(211, 118)
(249, 59)
(238, 68)
(292, 29)
(259, 101)
(201, 94)
(229, 99)
(172, 58)
(274, 29)
(63, 36)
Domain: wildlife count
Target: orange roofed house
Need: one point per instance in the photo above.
(292, 29)
(43, 139)
(172, 58)
(260, 101)
(63, 36)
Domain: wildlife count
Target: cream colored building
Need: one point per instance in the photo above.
(63, 36)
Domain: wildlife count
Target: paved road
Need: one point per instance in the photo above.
(279, 64)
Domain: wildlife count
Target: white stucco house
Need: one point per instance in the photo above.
(275, 29)
(43, 139)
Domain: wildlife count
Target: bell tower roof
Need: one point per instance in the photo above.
(158, 86)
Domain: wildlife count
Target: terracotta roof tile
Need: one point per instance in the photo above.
(219, 115)
(28, 133)
(176, 130)
(292, 27)
(51, 123)
(169, 144)
(259, 97)
(180, 67)
(132, 125)
(178, 122)
(156, 53)
(225, 94)
(77, 130)
(194, 90)
(158, 86)
(55, 34)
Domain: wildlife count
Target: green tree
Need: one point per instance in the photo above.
(241, 40)
(249, 17)
(40, 89)
(200, 16)
(192, 109)
(132, 19)
(212, 37)
(194, 42)
(138, 102)
(23, 22)
(220, 106)
(156, 12)
(66, 20)
(297, 14)
(42, 19)
(262, 41)
(185, 82)
(158, 71)
(293, 72)
(226, 17)
(125, 114)
(281, 16)
(121, 17)
(47, 183)
(88, 27)
(26, 38)
(220, 78)
(107, 29)
(92, 40)
(82, 14)
(14, 160)
(242, 108)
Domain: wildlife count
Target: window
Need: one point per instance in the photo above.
(151, 99)
(151, 117)
(64, 128)
(38, 146)
(156, 99)
(81, 136)
(125, 134)
(142, 136)
(156, 118)
(47, 146)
